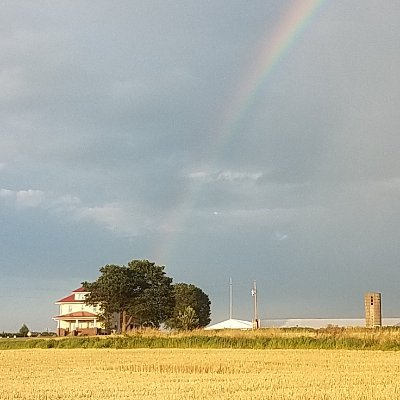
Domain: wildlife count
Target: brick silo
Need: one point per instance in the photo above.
(373, 309)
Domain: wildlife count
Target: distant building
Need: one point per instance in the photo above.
(318, 323)
(373, 309)
(313, 323)
(231, 324)
(78, 318)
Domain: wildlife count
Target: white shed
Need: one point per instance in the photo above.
(231, 324)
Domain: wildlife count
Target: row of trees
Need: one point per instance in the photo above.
(143, 295)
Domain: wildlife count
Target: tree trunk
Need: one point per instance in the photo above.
(123, 325)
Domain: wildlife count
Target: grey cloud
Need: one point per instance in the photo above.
(120, 138)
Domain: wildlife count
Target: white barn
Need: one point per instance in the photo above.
(231, 324)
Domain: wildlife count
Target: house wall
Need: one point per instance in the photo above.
(71, 325)
(80, 324)
(67, 308)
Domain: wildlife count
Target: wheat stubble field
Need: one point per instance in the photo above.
(36, 374)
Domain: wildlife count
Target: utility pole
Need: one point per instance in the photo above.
(230, 298)
(254, 294)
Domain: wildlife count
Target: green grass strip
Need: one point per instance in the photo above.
(205, 342)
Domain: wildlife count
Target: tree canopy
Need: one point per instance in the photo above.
(192, 307)
(24, 330)
(140, 292)
(155, 302)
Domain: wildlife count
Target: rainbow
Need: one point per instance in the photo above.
(271, 51)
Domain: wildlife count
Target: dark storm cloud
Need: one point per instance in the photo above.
(109, 148)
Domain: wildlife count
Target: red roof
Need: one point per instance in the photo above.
(81, 289)
(70, 299)
(77, 315)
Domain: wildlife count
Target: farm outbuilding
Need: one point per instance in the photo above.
(317, 323)
(231, 324)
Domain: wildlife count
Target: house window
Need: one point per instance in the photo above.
(69, 308)
(94, 309)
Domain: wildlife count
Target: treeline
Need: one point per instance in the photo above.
(24, 331)
(13, 335)
(141, 294)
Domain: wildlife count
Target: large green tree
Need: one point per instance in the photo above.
(140, 293)
(192, 308)
(155, 303)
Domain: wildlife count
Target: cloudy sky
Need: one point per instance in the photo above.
(256, 140)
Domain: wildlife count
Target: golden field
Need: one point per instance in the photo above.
(198, 374)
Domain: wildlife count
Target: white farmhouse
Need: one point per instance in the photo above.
(77, 318)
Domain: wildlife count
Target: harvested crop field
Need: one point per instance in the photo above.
(198, 374)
